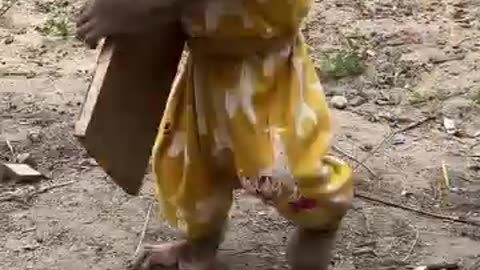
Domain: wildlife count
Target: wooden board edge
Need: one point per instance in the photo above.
(102, 65)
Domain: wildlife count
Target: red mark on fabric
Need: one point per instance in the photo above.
(303, 204)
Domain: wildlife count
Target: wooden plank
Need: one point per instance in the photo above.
(123, 107)
(18, 172)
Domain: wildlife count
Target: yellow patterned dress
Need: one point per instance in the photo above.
(248, 111)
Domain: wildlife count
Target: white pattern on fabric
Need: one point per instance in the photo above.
(316, 86)
(269, 65)
(177, 145)
(241, 97)
(199, 92)
(222, 140)
(279, 172)
(302, 111)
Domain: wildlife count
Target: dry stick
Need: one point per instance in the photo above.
(15, 197)
(418, 211)
(48, 188)
(404, 207)
(10, 147)
(442, 266)
(465, 179)
(389, 137)
(243, 251)
(4, 9)
(410, 251)
(475, 265)
(446, 178)
(144, 229)
(341, 151)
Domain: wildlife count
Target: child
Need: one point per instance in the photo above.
(248, 110)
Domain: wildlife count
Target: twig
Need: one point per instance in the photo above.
(391, 135)
(367, 222)
(366, 244)
(410, 251)
(364, 251)
(17, 197)
(341, 151)
(243, 251)
(6, 7)
(49, 188)
(416, 124)
(442, 266)
(446, 179)
(418, 211)
(465, 179)
(10, 147)
(475, 265)
(13, 198)
(144, 229)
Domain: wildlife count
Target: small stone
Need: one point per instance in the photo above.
(366, 147)
(9, 40)
(339, 102)
(90, 162)
(449, 125)
(398, 139)
(34, 136)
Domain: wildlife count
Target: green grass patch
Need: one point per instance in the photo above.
(341, 64)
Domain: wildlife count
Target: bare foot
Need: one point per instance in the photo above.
(165, 255)
(101, 18)
(179, 255)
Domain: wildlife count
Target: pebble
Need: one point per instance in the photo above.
(89, 162)
(9, 40)
(366, 147)
(449, 125)
(34, 136)
(398, 139)
(339, 102)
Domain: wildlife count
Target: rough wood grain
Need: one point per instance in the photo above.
(18, 172)
(125, 102)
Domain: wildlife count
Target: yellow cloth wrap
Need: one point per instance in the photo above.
(252, 113)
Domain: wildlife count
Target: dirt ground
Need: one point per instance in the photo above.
(422, 60)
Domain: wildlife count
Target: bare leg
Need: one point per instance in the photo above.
(310, 249)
